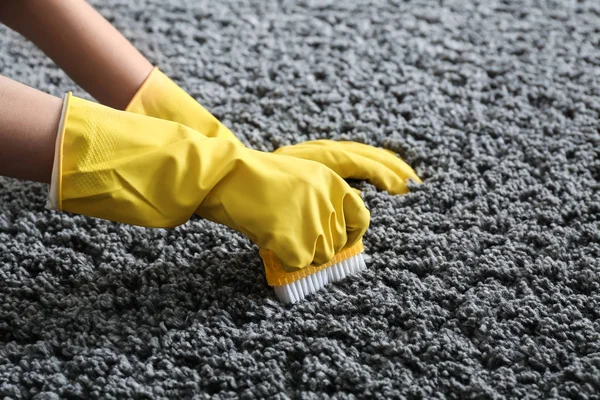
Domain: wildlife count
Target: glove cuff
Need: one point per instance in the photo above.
(135, 169)
(53, 201)
(160, 97)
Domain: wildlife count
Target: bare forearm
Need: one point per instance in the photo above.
(86, 46)
(29, 122)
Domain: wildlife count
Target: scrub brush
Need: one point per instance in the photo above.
(291, 287)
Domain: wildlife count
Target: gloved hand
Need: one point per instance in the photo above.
(145, 171)
(160, 97)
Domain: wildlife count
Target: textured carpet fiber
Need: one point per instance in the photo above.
(484, 282)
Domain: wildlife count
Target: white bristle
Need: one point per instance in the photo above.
(323, 280)
(347, 268)
(351, 270)
(337, 273)
(314, 281)
(295, 293)
(361, 263)
(329, 272)
(305, 288)
(342, 270)
(300, 289)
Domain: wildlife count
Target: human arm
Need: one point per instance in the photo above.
(104, 63)
(84, 44)
(140, 170)
(29, 122)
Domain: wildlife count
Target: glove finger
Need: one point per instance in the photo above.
(384, 156)
(377, 174)
(332, 240)
(380, 167)
(356, 218)
(352, 166)
(334, 158)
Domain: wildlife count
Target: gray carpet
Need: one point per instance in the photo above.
(484, 282)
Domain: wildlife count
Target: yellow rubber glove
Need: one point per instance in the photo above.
(160, 97)
(145, 171)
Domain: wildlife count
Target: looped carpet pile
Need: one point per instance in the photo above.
(483, 282)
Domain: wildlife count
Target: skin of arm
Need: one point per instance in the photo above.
(29, 122)
(84, 44)
(89, 49)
